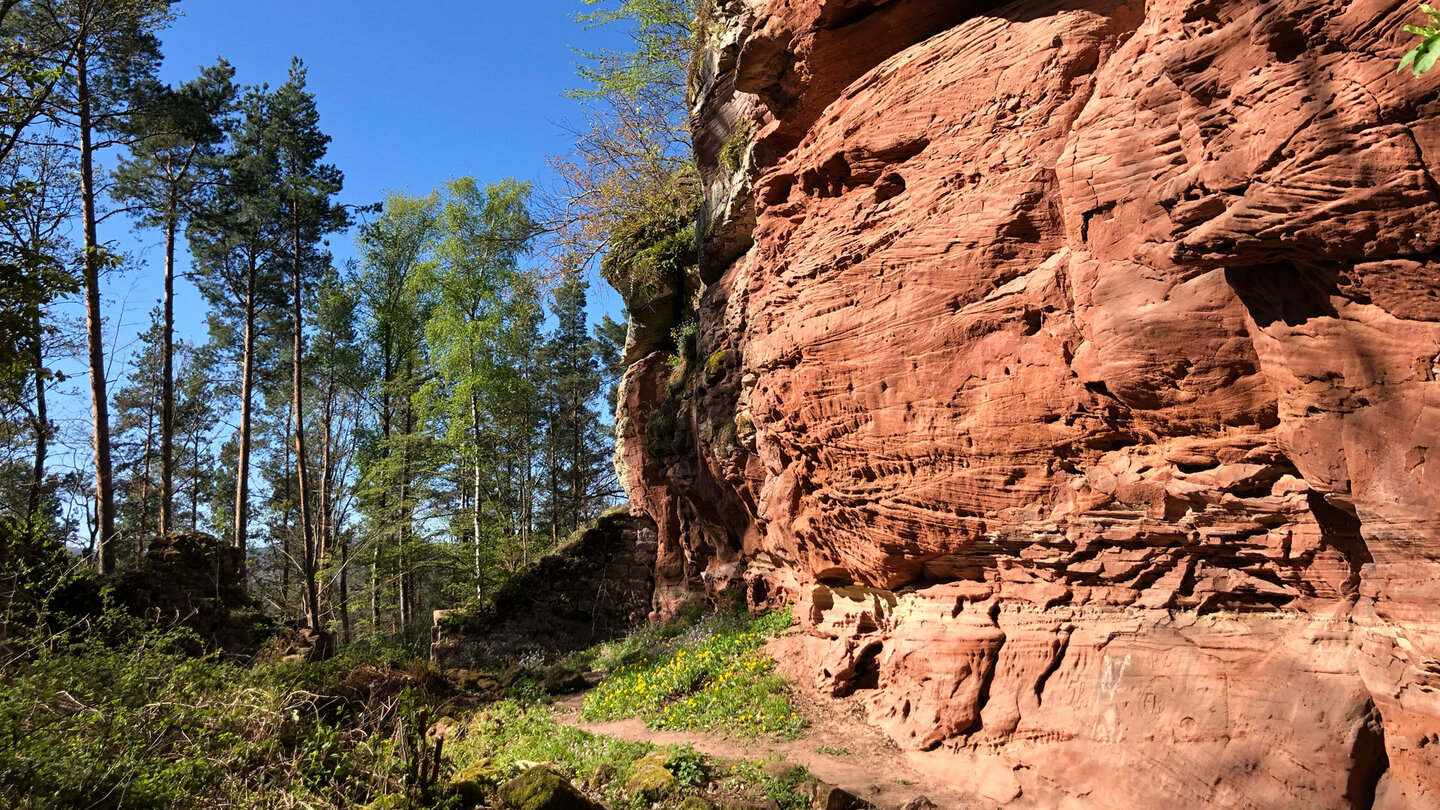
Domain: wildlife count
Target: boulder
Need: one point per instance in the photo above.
(541, 788)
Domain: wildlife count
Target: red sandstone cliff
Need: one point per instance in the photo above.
(1074, 365)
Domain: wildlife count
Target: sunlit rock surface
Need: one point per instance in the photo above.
(1073, 364)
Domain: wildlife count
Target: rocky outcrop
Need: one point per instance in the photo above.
(1074, 366)
(596, 586)
(195, 581)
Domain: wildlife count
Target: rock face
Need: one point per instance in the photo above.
(1074, 365)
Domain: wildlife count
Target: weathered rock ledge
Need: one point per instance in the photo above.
(1074, 365)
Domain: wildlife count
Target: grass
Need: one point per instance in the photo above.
(146, 724)
(511, 735)
(709, 674)
(152, 726)
(511, 732)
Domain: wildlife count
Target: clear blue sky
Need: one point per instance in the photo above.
(411, 93)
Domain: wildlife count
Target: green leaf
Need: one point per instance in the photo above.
(1409, 57)
(1426, 60)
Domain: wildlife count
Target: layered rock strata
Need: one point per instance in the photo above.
(1073, 365)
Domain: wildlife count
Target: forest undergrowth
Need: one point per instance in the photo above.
(143, 722)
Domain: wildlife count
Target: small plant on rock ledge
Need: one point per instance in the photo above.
(1423, 56)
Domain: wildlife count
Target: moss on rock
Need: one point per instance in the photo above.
(650, 781)
(476, 783)
(541, 788)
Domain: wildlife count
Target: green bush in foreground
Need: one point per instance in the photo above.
(152, 726)
(700, 674)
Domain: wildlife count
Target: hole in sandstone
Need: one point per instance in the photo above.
(867, 667)
(1283, 292)
(1033, 318)
(863, 674)
(758, 592)
(889, 186)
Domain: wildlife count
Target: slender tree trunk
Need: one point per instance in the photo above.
(387, 374)
(406, 583)
(145, 481)
(324, 520)
(42, 419)
(375, 588)
(94, 330)
(286, 533)
(479, 538)
(307, 535)
(195, 487)
(247, 386)
(167, 385)
(344, 543)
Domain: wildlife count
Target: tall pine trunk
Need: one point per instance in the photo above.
(247, 390)
(307, 535)
(94, 329)
(167, 385)
(325, 521)
(145, 480)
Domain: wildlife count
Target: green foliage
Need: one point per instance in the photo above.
(715, 363)
(151, 726)
(689, 766)
(654, 250)
(1423, 56)
(784, 786)
(662, 34)
(733, 152)
(511, 732)
(713, 675)
(43, 588)
(685, 336)
(661, 424)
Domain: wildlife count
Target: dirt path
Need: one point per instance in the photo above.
(856, 756)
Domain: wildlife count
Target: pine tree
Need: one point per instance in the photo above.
(136, 442)
(610, 338)
(176, 144)
(196, 414)
(306, 186)
(336, 365)
(235, 238)
(578, 449)
(109, 74)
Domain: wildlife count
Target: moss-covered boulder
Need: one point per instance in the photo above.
(651, 780)
(541, 788)
(476, 783)
(695, 803)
